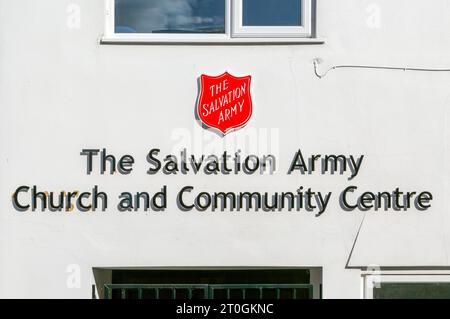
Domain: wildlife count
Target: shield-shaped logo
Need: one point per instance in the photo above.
(225, 102)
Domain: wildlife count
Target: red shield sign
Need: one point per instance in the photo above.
(225, 102)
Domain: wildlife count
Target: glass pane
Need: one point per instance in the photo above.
(170, 16)
(272, 13)
(412, 291)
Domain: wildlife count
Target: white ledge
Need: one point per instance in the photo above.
(208, 41)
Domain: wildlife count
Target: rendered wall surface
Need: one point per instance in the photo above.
(62, 91)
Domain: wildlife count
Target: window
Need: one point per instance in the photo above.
(211, 284)
(271, 18)
(412, 290)
(169, 16)
(208, 21)
(407, 285)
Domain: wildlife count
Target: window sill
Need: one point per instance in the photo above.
(210, 41)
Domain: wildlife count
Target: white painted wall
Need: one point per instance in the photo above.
(61, 91)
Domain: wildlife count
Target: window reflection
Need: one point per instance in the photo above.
(170, 16)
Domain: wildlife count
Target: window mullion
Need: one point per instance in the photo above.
(229, 17)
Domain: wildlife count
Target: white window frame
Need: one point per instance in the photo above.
(372, 279)
(234, 31)
(239, 30)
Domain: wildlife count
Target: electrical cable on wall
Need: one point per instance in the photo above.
(318, 61)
